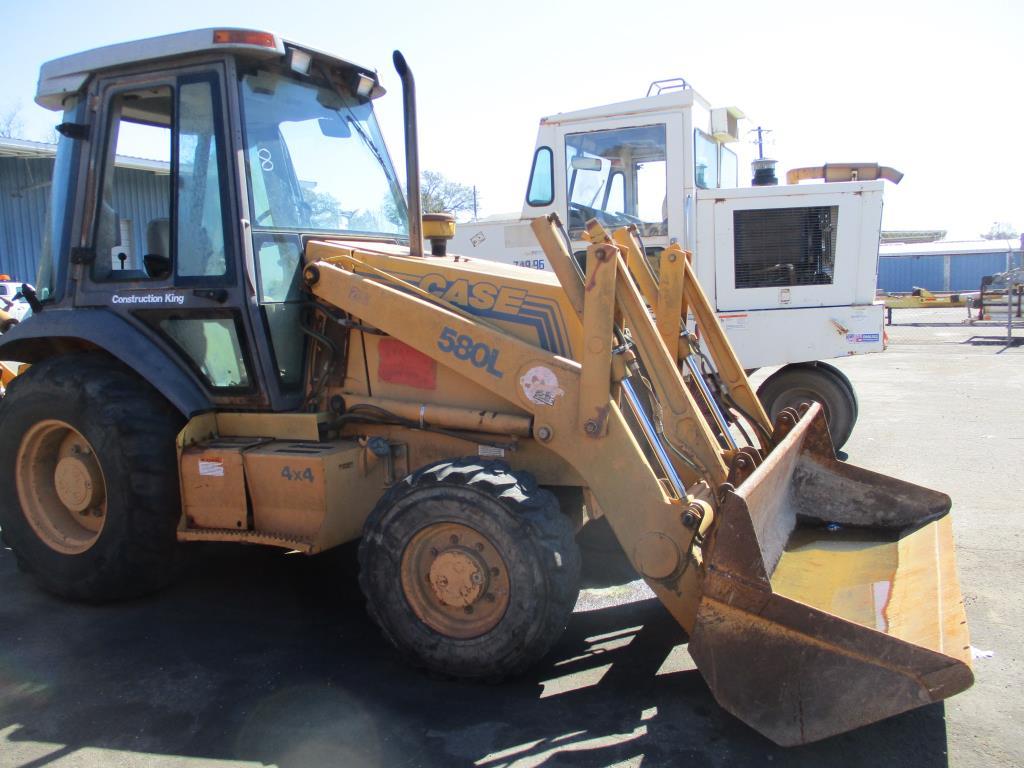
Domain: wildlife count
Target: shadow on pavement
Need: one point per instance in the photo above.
(262, 657)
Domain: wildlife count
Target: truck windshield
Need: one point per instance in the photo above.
(317, 161)
(618, 177)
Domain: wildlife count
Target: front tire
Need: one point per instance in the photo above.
(469, 569)
(88, 472)
(793, 385)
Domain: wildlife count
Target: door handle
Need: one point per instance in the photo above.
(220, 295)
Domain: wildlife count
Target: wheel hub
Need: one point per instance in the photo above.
(455, 580)
(458, 578)
(78, 482)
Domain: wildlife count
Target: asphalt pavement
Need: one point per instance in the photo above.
(260, 658)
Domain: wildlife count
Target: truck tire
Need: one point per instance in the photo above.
(469, 569)
(89, 475)
(793, 385)
(843, 379)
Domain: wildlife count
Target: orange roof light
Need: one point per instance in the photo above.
(244, 37)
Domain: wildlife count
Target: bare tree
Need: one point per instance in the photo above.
(440, 195)
(1001, 230)
(11, 124)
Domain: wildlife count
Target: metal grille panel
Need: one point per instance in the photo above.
(785, 246)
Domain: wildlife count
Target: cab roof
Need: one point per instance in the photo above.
(67, 75)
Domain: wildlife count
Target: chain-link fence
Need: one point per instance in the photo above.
(949, 325)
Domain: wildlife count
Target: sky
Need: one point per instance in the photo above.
(930, 88)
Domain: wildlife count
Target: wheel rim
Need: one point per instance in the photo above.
(61, 487)
(455, 580)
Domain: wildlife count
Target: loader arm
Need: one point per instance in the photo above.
(737, 542)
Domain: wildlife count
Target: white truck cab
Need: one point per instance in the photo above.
(790, 268)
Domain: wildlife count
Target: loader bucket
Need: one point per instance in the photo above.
(831, 597)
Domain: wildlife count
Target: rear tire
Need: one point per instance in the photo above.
(793, 385)
(88, 472)
(469, 569)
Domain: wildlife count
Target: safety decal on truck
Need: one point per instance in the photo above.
(862, 338)
(401, 364)
(211, 467)
(540, 385)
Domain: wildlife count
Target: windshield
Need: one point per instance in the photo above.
(617, 177)
(317, 161)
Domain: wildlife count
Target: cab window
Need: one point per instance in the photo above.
(705, 159)
(161, 195)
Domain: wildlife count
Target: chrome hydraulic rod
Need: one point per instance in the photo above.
(653, 438)
(723, 424)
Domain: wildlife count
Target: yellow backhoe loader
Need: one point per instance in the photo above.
(281, 364)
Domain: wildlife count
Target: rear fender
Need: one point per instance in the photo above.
(58, 331)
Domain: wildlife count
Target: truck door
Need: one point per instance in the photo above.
(164, 248)
(623, 172)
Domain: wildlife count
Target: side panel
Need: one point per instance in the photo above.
(49, 332)
(855, 234)
(777, 336)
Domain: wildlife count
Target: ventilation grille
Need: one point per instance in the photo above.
(785, 246)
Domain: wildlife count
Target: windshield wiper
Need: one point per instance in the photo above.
(351, 117)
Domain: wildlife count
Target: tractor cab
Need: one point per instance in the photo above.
(254, 145)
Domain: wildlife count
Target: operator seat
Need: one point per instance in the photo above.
(158, 248)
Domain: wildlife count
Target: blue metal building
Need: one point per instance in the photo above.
(944, 265)
(142, 189)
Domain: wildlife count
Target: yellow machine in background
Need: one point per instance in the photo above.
(302, 382)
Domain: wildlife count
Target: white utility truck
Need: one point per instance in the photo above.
(791, 269)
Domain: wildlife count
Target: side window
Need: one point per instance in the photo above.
(705, 159)
(541, 188)
(730, 169)
(212, 345)
(279, 258)
(133, 220)
(200, 226)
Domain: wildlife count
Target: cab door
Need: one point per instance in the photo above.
(163, 248)
(623, 171)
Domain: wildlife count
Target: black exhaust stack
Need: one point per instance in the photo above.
(412, 159)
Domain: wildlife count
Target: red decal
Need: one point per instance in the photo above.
(401, 364)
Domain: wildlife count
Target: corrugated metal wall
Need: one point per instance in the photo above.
(949, 272)
(139, 196)
(24, 195)
(901, 274)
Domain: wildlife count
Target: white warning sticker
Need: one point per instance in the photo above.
(540, 385)
(490, 450)
(211, 467)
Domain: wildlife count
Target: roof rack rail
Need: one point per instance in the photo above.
(659, 87)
